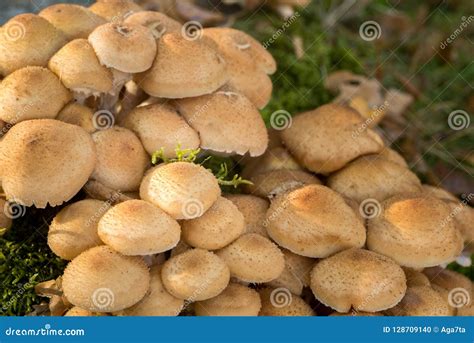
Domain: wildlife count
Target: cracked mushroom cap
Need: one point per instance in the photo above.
(115, 10)
(327, 138)
(73, 20)
(74, 229)
(314, 221)
(121, 159)
(24, 34)
(77, 114)
(219, 226)
(184, 190)
(253, 258)
(195, 275)
(45, 161)
(372, 177)
(146, 121)
(31, 93)
(358, 279)
(280, 302)
(129, 48)
(235, 300)
(159, 23)
(183, 68)
(415, 231)
(5, 220)
(227, 122)
(102, 280)
(136, 227)
(254, 210)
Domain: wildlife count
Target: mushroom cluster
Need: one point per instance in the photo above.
(105, 98)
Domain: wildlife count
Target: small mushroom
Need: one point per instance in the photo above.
(415, 278)
(280, 302)
(254, 210)
(273, 159)
(300, 266)
(79, 312)
(159, 23)
(77, 114)
(358, 279)
(115, 10)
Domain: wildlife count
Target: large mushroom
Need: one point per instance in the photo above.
(115, 10)
(280, 302)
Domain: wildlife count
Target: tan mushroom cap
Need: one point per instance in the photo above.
(74, 229)
(415, 277)
(115, 10)
(136, 227)
(103, 280)
(147, 121)
(80, 70)
(275, 158)
(448, 279)
(287, 280)
(159, 23)
(45, 161)
(157, 302)
(235, 300)
(226, 122)
(219, 226)
(195, 275)
(372, 177)
(314, 221)
(353, 313)
(31, 93)
(5, 220)
(79, 312)
(415, 231)
(439, 193)
(358, 279)
(253, 258)
(183, 68)
(279, 302)
(327, 138)
(77, 114)
(393, 156)
(28, 40)
(183, 190)
(121, 159)
(73, 20)
(300, 266)
(254, 210)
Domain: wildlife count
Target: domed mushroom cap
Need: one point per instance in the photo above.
(254, 210)
(195, 275)
(253, 258)
(415, 231)
(147, 121)
(314, 221)
(372, 177)
(219, 226)
(353, 313)
(300, 266)
(28, 40)
(73, 20)
(448, 279)
(31, 93)
(79, 312)
(77, 114)
(102, 280)
(80, 70)
(275, 158)
(287, 280)
(157, 302)
(136, 227)
(74, 229)
(226, 122)
(393, 156)
(40, 153)
(235, 300)
(183, 68)
(327, 138)
(439, 193)
(121, 159)
(358, 279)
(183, 190)
(159, 23)
(115, 10)
(415, 278)
(280, 302)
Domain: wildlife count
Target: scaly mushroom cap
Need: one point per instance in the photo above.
(128, 48)
(77, 114)
(80, 70)
(159, 23)
(74, 229)
(147, 121)
(183, 190)
(79, 312)
(28, 40)
(115, 10)
(373, 177)
(314, 221)
(415, 278)
(218, 227)
(415, 231)
(280, 302)
(45, 161)
(73, 20)
(31, 93)
(121, 159)
(327, 138)
(393, 156)
(157, 302)
(226, 122)
(358, 279)
(300, 266)
(5, 220)
(136, 227)
(235, 300)
(195, 275)
(183, 68)
(102, 280)
(448, 279)
(287, 280)
(254, 210)
(273, 159)
(253, 258)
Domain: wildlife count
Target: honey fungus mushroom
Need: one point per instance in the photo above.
(80, 115)
(159, 23)
(280, 302)
(114, 10)
(254, 210)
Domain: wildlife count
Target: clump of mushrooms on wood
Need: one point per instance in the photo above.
(333, 221)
